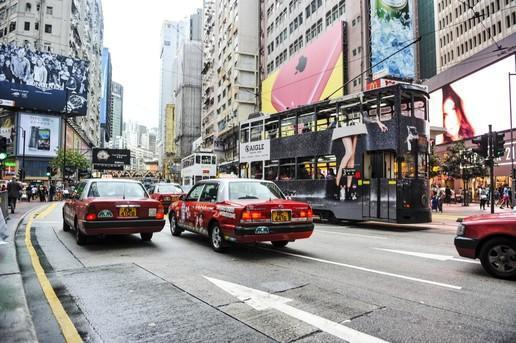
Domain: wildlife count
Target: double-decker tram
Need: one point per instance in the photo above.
(197, 167)
(359, 157)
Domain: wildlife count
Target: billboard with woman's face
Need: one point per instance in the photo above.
(466, 107)
(311, 75)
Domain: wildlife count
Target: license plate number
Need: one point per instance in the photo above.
(280, 216)
(127, 212)
(261, 230)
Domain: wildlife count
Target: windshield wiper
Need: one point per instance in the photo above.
(248, 197)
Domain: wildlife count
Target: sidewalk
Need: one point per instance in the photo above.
(15, 319)
(453, 211)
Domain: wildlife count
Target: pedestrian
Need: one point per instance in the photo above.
(435, 202)
(13, 193)
(505, 197)
(34, 191)
(42, 197)
(440, 200)
(482, 194)
(28, 191)
(51, 191)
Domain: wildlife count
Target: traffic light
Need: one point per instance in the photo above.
(498, 144)
(21, 174)
(3, 148)
(49, 171)
(482, 145)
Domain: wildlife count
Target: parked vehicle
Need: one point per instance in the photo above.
(166, 193)
(492, 239)
(112, 207)
(241, 211)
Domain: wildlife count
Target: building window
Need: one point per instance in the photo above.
(28, 7)
(26, 26)
(48, 28)
(50, 10)
(36, 26)
(12, 26)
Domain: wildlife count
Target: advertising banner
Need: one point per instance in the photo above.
(41, 135)
(311, 75)
(43, 81)
(255, 151)
(467, 106)
(7, 127)
(111, 158)
(392, 28)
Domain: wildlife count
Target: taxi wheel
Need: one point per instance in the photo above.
(80, 238)
(174, 229)
(498, 257)
(146, 236)
(216, 239)
(66, 227)
(279, 244)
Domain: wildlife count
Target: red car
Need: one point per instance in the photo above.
(166, 193)
(112, 207)
(241, 210)
(492, 239)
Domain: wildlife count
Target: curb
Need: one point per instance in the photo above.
(16, 323)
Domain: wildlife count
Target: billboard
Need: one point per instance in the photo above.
(7, 127)
(110, 159)
(467, 106)
(41, 135)
(42, 81)
(311, 75)
(391, 28)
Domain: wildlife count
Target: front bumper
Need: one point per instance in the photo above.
(122, 227)
(247, 234)
(466, 247)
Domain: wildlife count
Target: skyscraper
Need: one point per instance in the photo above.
(117, 109)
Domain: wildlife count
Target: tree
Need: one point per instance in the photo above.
(434, 163)
(74, 160)
(462, 163)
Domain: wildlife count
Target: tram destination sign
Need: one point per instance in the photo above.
(255, 151)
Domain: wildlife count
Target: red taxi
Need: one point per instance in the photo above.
(492, 239)
(242, 211)
(166, 193)
(112, 207)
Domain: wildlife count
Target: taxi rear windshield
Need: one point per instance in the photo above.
(169, 189)
(254, 190)
(124, 190)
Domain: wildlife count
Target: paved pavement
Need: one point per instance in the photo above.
(398, 284)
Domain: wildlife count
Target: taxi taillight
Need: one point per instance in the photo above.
(252, 216)
(160, 214)
(305, 215)
(91, 216)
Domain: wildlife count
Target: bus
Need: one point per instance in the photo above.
(360, 157)
(196, 167)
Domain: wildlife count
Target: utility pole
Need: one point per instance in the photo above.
(490, 162)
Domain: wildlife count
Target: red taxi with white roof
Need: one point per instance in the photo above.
(112, 207)
(166, 193)
(242, 211)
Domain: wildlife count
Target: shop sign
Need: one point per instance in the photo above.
(255, 151)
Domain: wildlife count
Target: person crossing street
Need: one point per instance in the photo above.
(13, 193)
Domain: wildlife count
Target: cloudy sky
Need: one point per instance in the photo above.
(132, 34)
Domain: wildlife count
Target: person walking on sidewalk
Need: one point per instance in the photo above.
(505, 197)
(440, 200)
(482, 194)
(13, 193)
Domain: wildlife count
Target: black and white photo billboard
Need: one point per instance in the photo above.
(42, 81)
(111, 159)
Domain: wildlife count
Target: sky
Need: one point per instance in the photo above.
(132, 35)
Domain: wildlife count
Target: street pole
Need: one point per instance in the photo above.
(23, 156)
(490, 160)
(64, 152)
(513, 183)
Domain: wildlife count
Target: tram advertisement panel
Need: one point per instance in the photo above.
(311, 75)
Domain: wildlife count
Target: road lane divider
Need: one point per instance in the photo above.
(374, 271)
(428, 256)
(68, 329)
(47, 211)
(350, 234)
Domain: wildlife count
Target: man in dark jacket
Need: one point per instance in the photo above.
(13, 193)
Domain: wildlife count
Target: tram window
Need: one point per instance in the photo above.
(420, 109)
(256, 131)
(197, 159)
(271, 130)
(326, 167)
(287, 169)
(305, 124)
(256, 170)
(325, 118)
(305, 168)
(405, 108)
(422, 166)
(244, 135)
(205, 159)
(198, 178)
(213, 160)
(271, 170)
(244, 170)
(287, 127)
(408, 166)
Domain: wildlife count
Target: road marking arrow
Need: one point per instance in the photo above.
(260, 301)
(428, 256)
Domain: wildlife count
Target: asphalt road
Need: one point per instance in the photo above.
(344, 280)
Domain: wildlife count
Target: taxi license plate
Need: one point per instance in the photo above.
(281, 216)
(127, 212)
(261, 230)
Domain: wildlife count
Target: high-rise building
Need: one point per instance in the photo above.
(467, 27)
(196, 25)
(105, 119)
(117, 109)
(169, 141)
(63, 27)
(236, 79)
(208, 123)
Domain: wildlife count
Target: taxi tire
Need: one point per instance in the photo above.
(146, 236)
(215, 230)
(66, 227)
(80, 237)
(176, 231)
(487, 248)
(279, 244)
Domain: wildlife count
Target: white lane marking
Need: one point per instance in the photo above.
(399, 276)
(428, 256)
(350, 234)
(260, 301)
